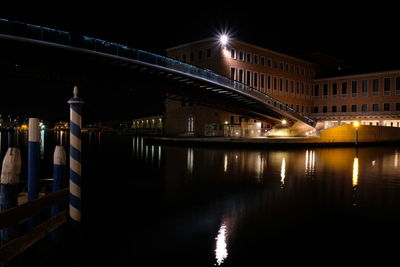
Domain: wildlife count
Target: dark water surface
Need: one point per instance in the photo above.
(151, 205)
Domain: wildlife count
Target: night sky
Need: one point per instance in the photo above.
(363, 35)
(366, 37)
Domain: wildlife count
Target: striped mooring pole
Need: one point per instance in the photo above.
(75, 104)
(9, 180)
(33, 165)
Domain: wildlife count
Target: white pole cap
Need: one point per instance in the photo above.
(34, 130)
(11, 169)
(59, 157)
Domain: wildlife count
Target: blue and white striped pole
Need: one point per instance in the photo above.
(33, 165)
(10, 174)
(59, 182)
(75, 104)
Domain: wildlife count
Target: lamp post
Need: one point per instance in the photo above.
(356, 125)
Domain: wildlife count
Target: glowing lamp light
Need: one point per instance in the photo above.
(356, 124)
(284, 122)
(223, 39)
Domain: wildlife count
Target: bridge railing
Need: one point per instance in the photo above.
(65, 38)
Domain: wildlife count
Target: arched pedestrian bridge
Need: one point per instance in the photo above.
(203, 86)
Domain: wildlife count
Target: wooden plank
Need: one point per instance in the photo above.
(20, 244)
(14, 215)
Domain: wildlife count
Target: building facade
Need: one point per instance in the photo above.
(372, 98)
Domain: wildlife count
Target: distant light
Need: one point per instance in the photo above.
(356, 124)
(284, 122)
(226, 122)
(223, 39)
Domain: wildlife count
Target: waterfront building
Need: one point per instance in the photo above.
(303, 85)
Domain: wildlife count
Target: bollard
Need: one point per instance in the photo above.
(33, 165)
(10, 173)
(75, 157)
(59, 182)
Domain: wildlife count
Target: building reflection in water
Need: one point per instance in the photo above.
(221, 251)
(310, 162)
(190, 160)
(396, 159)
(283, 172)
(42, 143)
(355, 172)
(225, 162)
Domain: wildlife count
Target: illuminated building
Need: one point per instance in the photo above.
(371, 98)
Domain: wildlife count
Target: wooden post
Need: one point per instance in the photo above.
(10, 174)
(59, 182)
(33, 165)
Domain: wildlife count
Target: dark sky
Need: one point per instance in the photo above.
(361, 35)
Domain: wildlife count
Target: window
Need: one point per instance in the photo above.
(344, 107)
(334, 108)
(233, 53)
(275, 64)
(262, 61)
(255, 79)
(354, 88)
(275, 83)
(190, 124)
(191, 56)
(233, 73)
(184, 58)
(255, 61)
(268, 82)
(397, 85)
(344, 89)
(375, 107)
(375, 87)
(302, 88)
(297, 107)
(386, 86)
(248, 57)
(334, 89)
(292, 86)
(248, 78)
(262, 82)
(297, 87)
(325, 109)
(315, 109)
(209, 52)
(281, 65)
(292, 68)
(286, 85)
(364, 87)
(325, 90)
(200, 54)
(353, 108)
(241, 56)
(287, 67)
(269, 62)
(364, 107)
(316, 90)
(240, 76)
(397, 106)
(386, 107)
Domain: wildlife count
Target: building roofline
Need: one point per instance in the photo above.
(190, 43)
(275, 52)
(359, 75)
(243, 43)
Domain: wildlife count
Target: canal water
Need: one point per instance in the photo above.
(153, 205)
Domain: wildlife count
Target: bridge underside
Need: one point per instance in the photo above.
(107, 74)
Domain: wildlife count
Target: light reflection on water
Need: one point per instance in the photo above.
(244, 188)
(221, 251)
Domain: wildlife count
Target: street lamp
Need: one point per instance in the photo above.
(284, 122)
(356, 125)
(223, 39)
